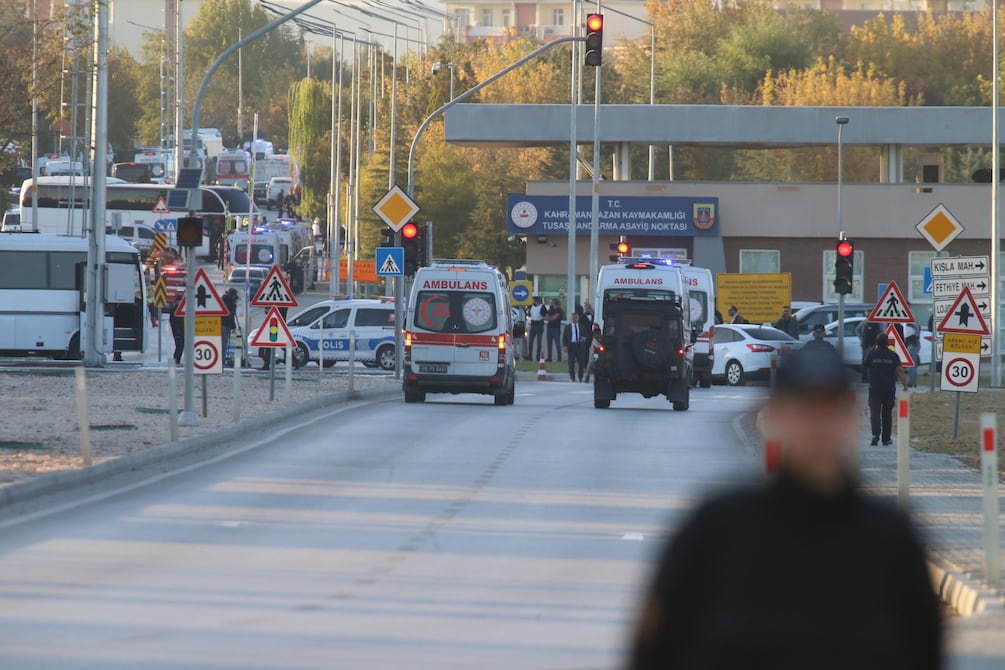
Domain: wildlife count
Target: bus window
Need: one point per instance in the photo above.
(22, 269)
(63, 269)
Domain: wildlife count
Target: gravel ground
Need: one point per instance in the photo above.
(128, 411)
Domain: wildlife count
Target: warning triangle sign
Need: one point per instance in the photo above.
(273, 332)
(964, 317)
(207, 300)
(892, 308)
(161, 206)
(898, 346)
(274, 291)
(389, 267)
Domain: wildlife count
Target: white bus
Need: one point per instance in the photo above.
(64, 204)
(42, 309)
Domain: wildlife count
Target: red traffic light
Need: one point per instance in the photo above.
(845, 248)
(409, 231)
(595, 22)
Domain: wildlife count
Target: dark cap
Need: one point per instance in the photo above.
(813, 368)
(818, 328)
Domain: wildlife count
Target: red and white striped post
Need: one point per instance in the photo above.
(989, 478)
(903, 448)
(774, 369)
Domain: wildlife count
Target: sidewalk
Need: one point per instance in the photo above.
(946, 504)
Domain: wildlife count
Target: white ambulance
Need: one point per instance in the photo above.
(459, 333)
(701, 295)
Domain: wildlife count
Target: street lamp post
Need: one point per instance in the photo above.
(652, 74)
(841, 122)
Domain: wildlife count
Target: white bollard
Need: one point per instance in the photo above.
(288, 391)
(172, 401)
(238, 358)
(83, 414)
(989, 477)
(903, 448)
(352, 358)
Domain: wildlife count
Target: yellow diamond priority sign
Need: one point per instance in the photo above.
(939, 227)
(395, 208)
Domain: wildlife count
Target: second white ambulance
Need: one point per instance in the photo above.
(458, 336)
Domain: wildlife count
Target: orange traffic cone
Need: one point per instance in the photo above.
(542, 372)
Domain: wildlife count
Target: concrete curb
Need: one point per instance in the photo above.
(60, 481)
(967, 595)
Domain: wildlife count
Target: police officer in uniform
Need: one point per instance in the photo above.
(884, 370)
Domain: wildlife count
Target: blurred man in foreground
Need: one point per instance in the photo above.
(804, 572)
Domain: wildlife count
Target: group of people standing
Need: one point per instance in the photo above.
(546, 334)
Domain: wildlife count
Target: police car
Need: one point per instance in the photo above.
(326, 327)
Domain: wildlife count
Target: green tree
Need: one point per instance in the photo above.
(310, 140)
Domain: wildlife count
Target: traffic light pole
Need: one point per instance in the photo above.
(399, 314)
(595, 196)
(841, 122)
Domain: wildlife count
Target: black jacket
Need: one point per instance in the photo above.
(782, 578)
(584, 334)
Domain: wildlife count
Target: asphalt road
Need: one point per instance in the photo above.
(450, 534)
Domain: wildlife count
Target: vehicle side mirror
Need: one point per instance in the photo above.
(316, 325)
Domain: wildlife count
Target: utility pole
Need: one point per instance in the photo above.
(95, 317)
(34, 114)
(240, 87)
(595, 195)
(570, 273)
(179, 111)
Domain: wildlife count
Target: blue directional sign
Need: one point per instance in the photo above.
(390, 261)
(926, 280)
(165, 225)
(519, 293)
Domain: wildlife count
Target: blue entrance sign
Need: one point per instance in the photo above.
(619, 215)
(520, 293)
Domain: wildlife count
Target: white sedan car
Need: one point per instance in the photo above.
(744, 352)
(853, 345)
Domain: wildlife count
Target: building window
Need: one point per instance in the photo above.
(463, 17)
(506, 18)
(858, 288)
(558, 17)
(760, 260)
(654, 252)
(486, 17)
(919, 271)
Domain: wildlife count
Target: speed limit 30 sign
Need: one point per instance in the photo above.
(206, 354)
(961, 363)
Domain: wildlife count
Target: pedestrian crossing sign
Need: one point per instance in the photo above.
(390, 261)
(274, 291)
(892, 307)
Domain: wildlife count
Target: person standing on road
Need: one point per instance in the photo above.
(733, 587)
(177, 321)
(229, 323)
(734, 315)
(221, 253)
(914, 351)
(519, 318)
(588, 317)
(575, 343)
(538, 312)
(554, 320)
(818, 339)
(788, 323)
(594, 348)
(867, 332)
(884, 371)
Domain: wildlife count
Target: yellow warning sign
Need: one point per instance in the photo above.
(207, 326)
(955, 343)
(939, 227)
(759, 297)
(395, 208)
(160, 293)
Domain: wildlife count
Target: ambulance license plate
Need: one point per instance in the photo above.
(434, 368)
